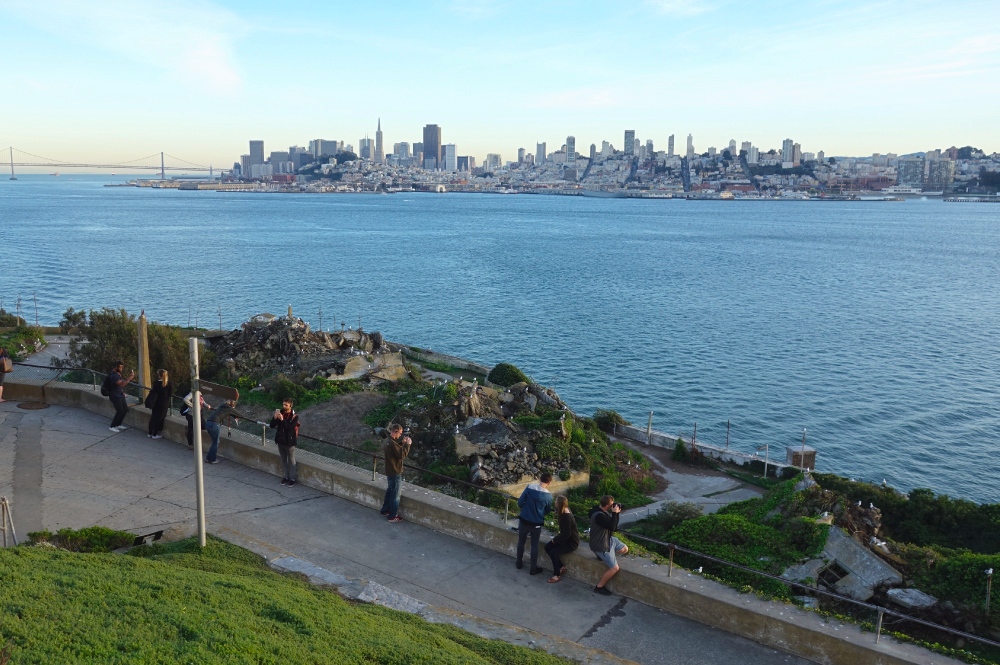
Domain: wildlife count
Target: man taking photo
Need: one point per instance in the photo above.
(603, 523)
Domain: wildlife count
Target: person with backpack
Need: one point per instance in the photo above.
(158, 401)
(286, 422)
(114, 389)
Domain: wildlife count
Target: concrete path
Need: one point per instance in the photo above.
(61, 467)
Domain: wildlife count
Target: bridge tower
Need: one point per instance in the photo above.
(162, 170)
(12, 176)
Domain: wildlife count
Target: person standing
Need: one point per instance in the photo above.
(603, 523)
(396, 449)
(188, 413)
(213, 426)
(3, 370)
(161, 393)
(535, 501)
(116, 393)
(566, 541)
(286, 422)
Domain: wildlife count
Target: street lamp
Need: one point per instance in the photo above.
(989, 584)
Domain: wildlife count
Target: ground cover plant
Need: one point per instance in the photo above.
(22, 341)
(175, 604)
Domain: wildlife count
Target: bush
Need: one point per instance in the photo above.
(72, 321)
(91, 539)
(506, 375)
(8, 320)
(552, 448)
(564, 474)
(680, 452)
(606, 419)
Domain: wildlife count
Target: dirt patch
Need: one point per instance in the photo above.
(339, 420)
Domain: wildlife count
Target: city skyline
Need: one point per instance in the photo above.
(105, 83)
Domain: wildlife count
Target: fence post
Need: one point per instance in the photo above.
(878, 626)
(506, 511)
(374, 466)
(263, 435)
(93, 380)
(670, 570)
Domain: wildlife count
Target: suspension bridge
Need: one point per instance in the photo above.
(147, 163)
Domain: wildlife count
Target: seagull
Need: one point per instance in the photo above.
(871, 506)
(859, 504)
(698, 569)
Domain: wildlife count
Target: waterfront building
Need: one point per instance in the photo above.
(940, 174)
(540, 153)
(379, 150)
(629, 142)
(256, 152)
(910, 172)
(432, 143)
(670, 146)
(449, 157)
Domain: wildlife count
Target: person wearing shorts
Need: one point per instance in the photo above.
(603, 523)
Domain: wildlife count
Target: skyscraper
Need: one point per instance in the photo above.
(690, 147)
(593, 152)
(449, 157)
(432, 145)
(520, 155)
(540, 153)
(571, 150)
(796, 154)
(245, 167)
(787, 148)
(379, 151)
(670, 146)
(629, 142)
(366, 147)
(256, 152)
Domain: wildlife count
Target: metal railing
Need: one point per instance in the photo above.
(255, 431)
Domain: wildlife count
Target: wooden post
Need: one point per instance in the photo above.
(144, 370)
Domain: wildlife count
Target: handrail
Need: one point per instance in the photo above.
(670, 546)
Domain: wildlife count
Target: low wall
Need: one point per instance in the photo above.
(685, 594)
(431, 356)
(662, 440)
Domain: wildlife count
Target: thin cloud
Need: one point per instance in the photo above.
(680, 7)
(192, 43)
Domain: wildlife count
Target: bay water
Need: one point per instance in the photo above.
(874, 326)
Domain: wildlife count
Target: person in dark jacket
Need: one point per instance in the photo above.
(566, 541)
(603, 523)
(535, 502)
(396, 448)
(116, 386)
(3, 354)
(188, 412)
(286, 422)
(161, 392)
(225, 412)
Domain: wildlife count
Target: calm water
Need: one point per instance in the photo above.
(874, 325)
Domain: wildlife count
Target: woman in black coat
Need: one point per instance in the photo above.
(159, 401)
(566, 541)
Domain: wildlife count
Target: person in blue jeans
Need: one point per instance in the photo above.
(116, 393)
(213, 425)
(535, 502)
(396, 448)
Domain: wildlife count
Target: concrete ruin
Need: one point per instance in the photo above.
(846, 567)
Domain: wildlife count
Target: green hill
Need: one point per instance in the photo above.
(222, 605)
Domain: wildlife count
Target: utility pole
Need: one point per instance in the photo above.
(199, 469)
(162, 169)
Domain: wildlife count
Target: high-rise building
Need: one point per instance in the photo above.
(520, 155)
(430, 164)
(606, 149)
(379, 150)
(321, 147)
(787, 148)
(540, 153)
(753, 155)
(940, 174)
(463, 163)
(636, 145)
(432, 144)
(732, 148)
(649, 148)
(593, 152)
(418, 152)
(910, 172)
(571, 150)
(670, 146)
(449, 157)
(256, 152)
(796, 154)
(401, 150)
(690, 147)
(245, 167)
(820, 156)
(493, 162)
(630, 142)
(366, 148)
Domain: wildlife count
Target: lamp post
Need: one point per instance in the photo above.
(199, 469)
(989, 585)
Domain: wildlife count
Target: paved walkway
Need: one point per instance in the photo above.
(61, 467)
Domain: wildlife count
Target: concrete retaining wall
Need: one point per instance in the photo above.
(460, 363)
(686, 594)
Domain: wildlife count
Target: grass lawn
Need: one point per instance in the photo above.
(223, 605)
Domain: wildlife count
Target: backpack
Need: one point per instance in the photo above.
(106, 386)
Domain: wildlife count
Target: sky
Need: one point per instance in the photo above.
(112, 81)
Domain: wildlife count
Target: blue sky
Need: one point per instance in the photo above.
(117, 80)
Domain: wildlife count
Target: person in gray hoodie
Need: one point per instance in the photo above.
(535, 501)
(603, 524)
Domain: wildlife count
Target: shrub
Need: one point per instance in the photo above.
(90, 539)
(8, 320)
(552, 448)
(680, 451)
(673, 513)
(606, 419)
(505, 374)
(564, 474)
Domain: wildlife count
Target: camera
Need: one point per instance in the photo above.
(406, 431)
(616, 505)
